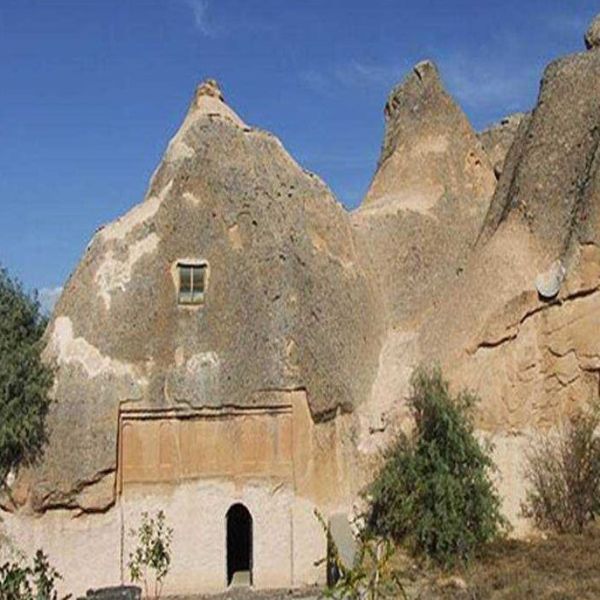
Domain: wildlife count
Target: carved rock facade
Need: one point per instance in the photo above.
(277, 384)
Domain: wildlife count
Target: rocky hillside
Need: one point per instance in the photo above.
(477, 251)
(518, 321)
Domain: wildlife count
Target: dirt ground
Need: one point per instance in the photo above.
(557, 568)
(245, 594)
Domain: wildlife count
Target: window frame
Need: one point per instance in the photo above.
(197, 298)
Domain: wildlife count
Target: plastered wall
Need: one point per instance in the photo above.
(194, 465)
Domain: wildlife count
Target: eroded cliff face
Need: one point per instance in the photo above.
(429, 150)
(534, 358)
(287, 304)
(441, 263)
(519, 322)
(417, 227)
(497, 140)
(427, 199)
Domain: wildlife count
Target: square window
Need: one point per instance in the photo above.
(192, 279)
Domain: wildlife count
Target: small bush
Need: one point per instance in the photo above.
(152, 553)
(563, 472)
(18, 582)
(434, 491)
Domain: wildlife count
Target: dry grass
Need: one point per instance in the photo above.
(558, 568)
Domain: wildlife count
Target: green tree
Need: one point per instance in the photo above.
(434, 490)
(24, 380)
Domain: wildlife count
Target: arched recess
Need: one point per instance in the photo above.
(239, 545)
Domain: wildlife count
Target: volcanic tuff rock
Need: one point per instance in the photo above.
(498, 139)
(545, 208)
(428, 197)
(592, 35)
(438, 264)
(416, 227)
(531, 359)
(288, 305)
(550, 183)
(429, 150)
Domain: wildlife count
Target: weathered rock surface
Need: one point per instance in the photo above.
(498, 139)
(428, 197)
(500, 284)
(550, 182)
(430, 150)
(532, 359)
(592, 35)
(287, 304)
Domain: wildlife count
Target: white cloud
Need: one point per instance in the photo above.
(316, 81)
(208, 26)
(201, 19)
(488, 83)
(361, 74)
(484, 83)
(506, 72)
(48, 298)
(354, 74)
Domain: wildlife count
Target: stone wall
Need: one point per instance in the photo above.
(92, 550)
(284, 530)
(194, 465)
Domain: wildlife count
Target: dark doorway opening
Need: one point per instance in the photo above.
(239, 545)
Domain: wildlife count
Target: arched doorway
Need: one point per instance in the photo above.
(239, 545)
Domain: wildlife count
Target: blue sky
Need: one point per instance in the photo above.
(92, 90)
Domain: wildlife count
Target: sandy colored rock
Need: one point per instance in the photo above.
(532, 359)
(493, 332)
(498, 139)
(560, 138)
(281, 386)
(430, 150)
(427, 200)
(592, 35)
(287, 303)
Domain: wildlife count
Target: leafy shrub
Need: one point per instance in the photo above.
(563, 471)
(372, 575)
(38, 582)
(434, 491)
(14, 582)
(24, 379)
(152, 553)
(44, 577)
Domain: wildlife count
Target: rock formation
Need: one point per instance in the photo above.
(560, 138)
(498, 139)
(428, 197)
(280, 386)
(287, 306)
(532, 357)
(430, 150)
(231, 399)
(592, 35)
(417, 225)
